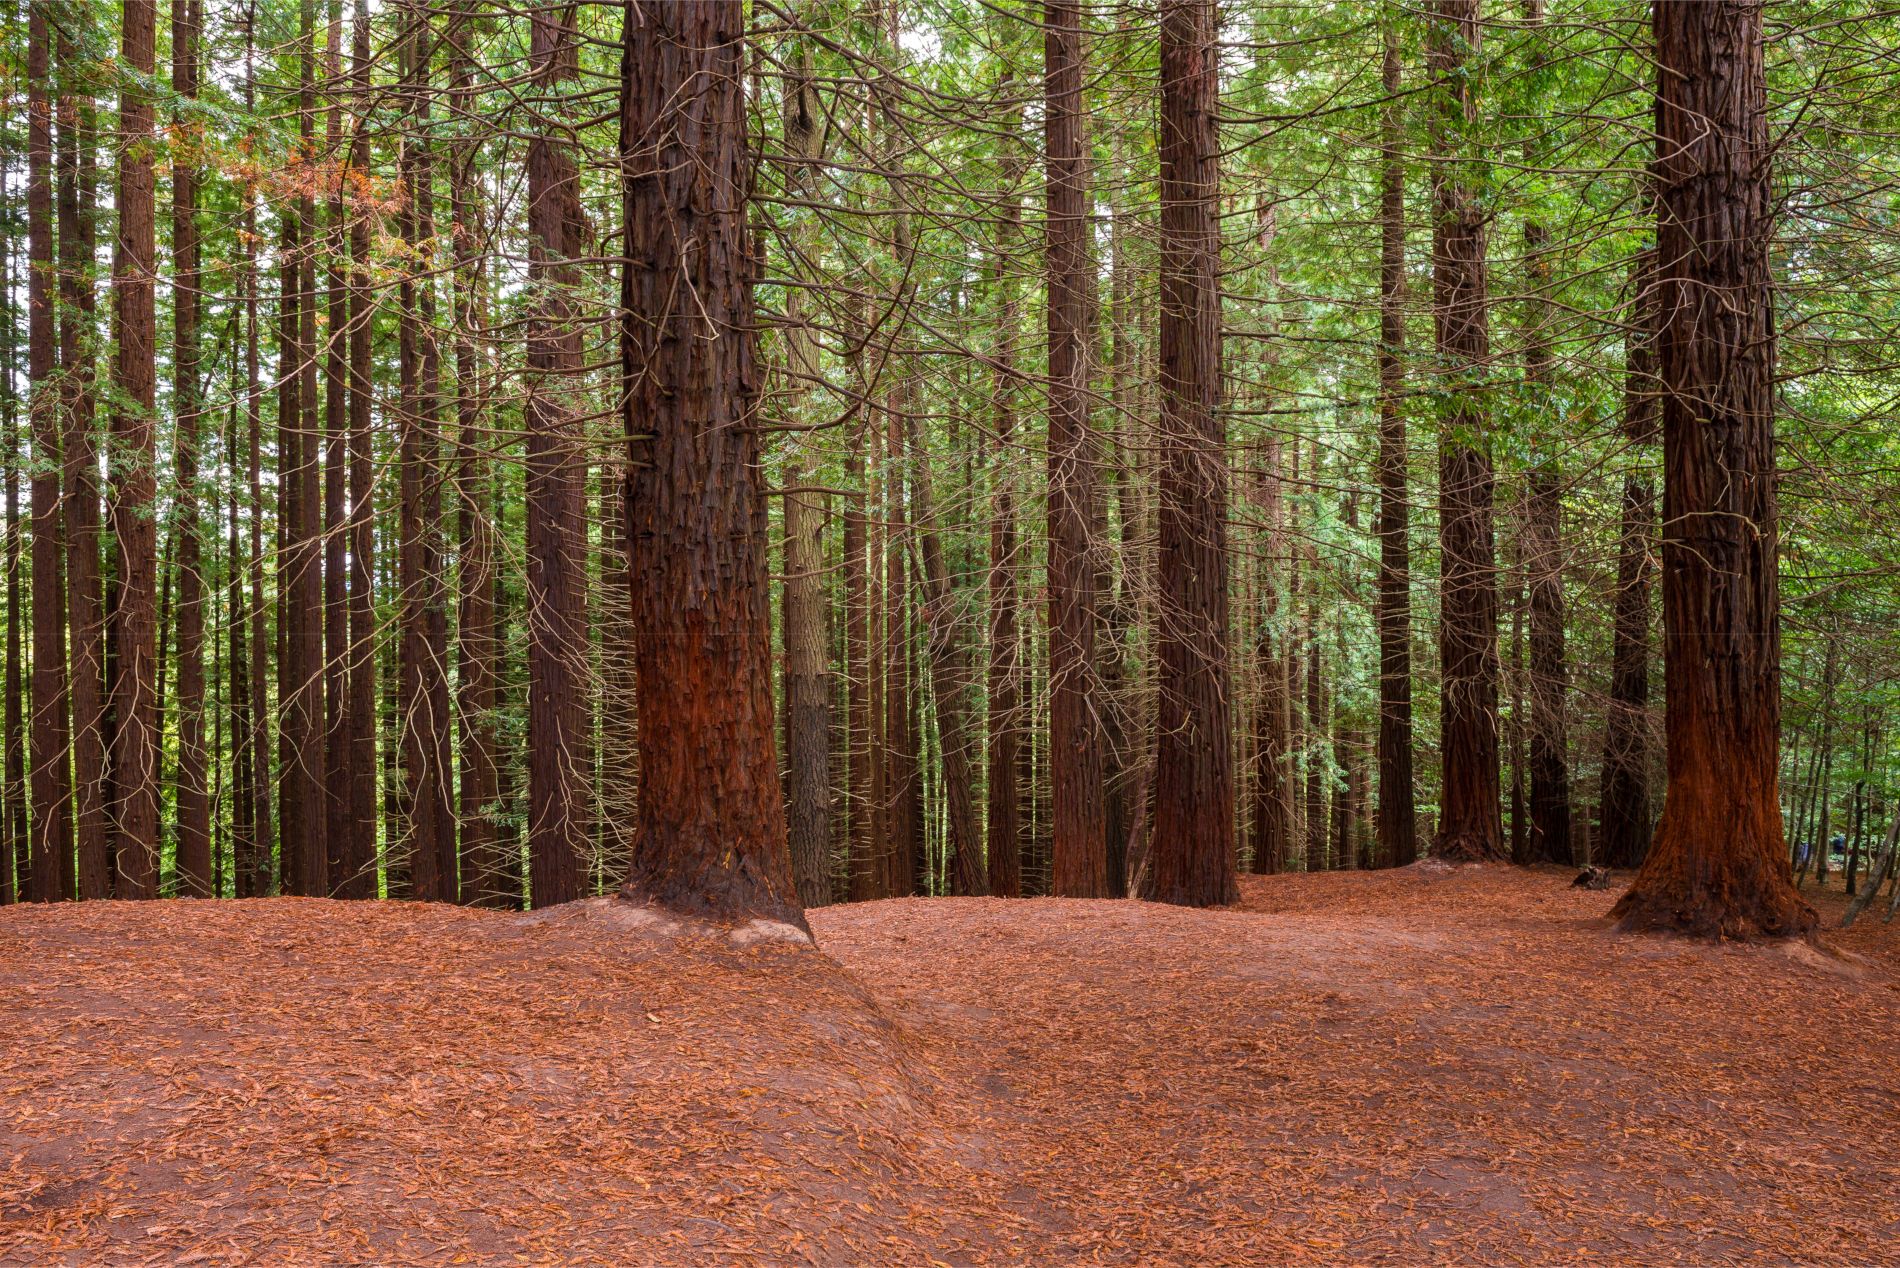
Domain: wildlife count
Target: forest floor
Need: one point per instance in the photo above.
(1429, 1065)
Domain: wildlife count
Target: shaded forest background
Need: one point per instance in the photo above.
(332, 597)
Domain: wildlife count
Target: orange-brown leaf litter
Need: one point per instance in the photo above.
(1434, 1065)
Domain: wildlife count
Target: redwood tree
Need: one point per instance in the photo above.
(1469, 825)
(134, 633)
(1398, 832)
(1719, 864)
(193, 796)
(47, 771)
(710, 835)
(1626, 746)
(1193, 851)
(559, 760)
(1079, 849)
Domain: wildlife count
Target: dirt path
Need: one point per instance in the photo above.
(1427, 1066)
(1404, 1067)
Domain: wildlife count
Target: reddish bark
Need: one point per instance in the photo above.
(1193, 851)
(711, 834)
(1719, 864)
(47, 778)
(1469, 826)
(559, 760)
(1079, 845)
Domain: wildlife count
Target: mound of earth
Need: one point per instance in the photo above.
(1429, 1065)
(303, 1081)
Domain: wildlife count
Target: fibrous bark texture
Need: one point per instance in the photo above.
(711, 833)
(1719, 864)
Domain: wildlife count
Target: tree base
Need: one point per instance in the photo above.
(1468, 847)
(1718, 874)
(1710, 917)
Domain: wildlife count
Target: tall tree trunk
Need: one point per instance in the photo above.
(243, 791)
(16, 860)
(1719, 864)
(193, 796)
(1626, 746)
(48, 780)
(1004, 844)
(1273, 749)
(1079, 847)
(1398, 816)
(86, 621)
(1549, 679)
(861, 808)
(340, 854)
(483, 878)
(807, 694)
(1193, 852)
(133, 631)
(807, 675)
(301, 734)
(900, 749)
(423, 616)
(950, 684)
(358, 879)
(1469, 826)
(559, 760)
(711, 836)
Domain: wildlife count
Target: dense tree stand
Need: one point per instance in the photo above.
(1718, 867)
(711, 835)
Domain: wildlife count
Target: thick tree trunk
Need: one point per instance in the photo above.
(48, 781)
(559, 760)
(133, 630)
(193, 794)
(1079, 847)
(1193, 852)
(1398, 816)
(1469, 826)
(1719, 863)
(711, 835)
